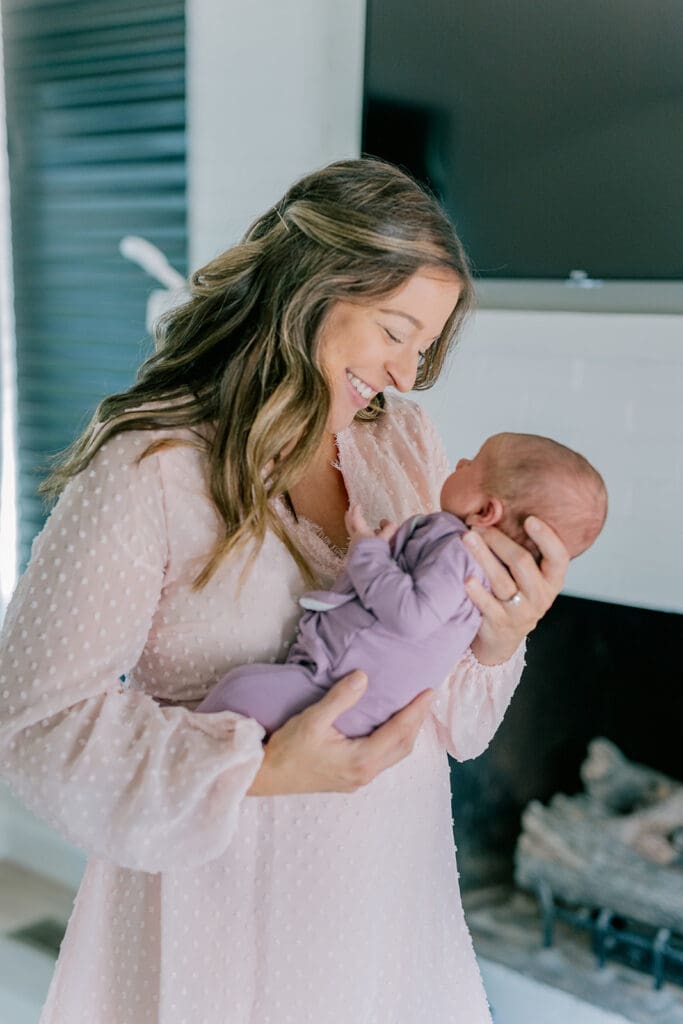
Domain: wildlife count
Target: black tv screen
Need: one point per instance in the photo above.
(552, 132)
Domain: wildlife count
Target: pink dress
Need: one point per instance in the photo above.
(200, 905)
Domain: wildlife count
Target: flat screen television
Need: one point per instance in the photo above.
(552, 132)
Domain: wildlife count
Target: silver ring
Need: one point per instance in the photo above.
(515, 599)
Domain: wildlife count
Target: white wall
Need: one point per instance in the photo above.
(274, 91)
(612, 388)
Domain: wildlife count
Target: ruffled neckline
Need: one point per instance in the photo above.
(326, 558)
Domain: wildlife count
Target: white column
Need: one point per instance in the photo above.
(274, 91)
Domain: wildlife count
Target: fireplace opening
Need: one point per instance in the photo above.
(594, 669)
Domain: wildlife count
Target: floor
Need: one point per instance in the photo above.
(33, 912)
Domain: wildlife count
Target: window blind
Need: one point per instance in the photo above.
(97, 150)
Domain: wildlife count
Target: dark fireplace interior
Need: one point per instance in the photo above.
(593, 669)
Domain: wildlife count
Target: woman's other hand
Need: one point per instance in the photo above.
(505, 623)
(309, 755)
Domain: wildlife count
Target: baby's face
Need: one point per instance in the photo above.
(463, 492)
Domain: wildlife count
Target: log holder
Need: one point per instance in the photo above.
(657, 951)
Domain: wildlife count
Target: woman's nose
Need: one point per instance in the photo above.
(404, 371)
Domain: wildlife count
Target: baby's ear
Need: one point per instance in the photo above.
(489, 514)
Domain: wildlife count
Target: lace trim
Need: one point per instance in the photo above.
(337, 553)
(325, 558)
(395, 499)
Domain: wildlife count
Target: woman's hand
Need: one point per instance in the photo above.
(506, 623)
(308, 755)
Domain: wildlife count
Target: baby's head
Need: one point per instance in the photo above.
(517, 475)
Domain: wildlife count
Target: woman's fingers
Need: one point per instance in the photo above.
(308, 755)
(490, 547)
(519, 571)
(389, 743)
(512, 572)
(555, 557)
(487, 604)
(341, 696)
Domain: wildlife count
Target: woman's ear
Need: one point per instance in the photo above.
(489, 514)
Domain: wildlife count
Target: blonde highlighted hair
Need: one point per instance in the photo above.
(237, 363)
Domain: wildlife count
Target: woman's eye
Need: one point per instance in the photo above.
(393, 337)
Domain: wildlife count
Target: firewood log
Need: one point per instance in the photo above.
(649, 831)
(584, 863)
(622, 785)
(618, 845)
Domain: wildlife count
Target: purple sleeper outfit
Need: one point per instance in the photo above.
(399, 611)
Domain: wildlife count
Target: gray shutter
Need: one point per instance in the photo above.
(97, 148)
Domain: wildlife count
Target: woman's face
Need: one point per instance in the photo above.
(367, 347)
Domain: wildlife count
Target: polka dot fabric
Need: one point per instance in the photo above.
(200, 905)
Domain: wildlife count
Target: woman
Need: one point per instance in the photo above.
(312, 879)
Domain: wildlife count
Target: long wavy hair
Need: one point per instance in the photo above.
(237, 363)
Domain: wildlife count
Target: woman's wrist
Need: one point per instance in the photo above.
(494, 652)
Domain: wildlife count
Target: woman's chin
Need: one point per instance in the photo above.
(339, 420)
(337, 426)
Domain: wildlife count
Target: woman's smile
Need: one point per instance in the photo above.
(366, 346)
(362, 392)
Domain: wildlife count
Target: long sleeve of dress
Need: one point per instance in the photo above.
(143, 786)
(471, 703)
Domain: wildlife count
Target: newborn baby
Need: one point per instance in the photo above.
(399, 610)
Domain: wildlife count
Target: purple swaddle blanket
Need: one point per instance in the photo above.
(398, 611)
